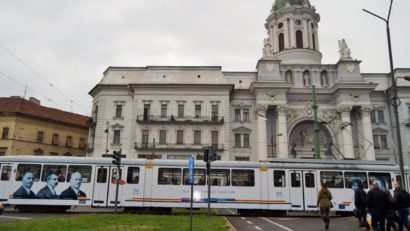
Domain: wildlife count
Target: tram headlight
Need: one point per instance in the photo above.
(197, 196)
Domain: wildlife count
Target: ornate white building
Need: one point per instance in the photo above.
(177, 111)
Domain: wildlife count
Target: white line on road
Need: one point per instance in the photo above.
(18, 218)
(279, 225)
(249, 222)
(258, 228)
(243, 218)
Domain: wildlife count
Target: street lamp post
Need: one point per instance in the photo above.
(394, 101)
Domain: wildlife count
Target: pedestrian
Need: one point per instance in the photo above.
(361, 204)
(391, 216)
(377, 203)
(402, 206)
(324, 204)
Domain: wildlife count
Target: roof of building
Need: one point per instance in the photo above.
(282, 3)
(30, 108)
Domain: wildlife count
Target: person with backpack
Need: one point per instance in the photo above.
(361, 203)
(402, 199)
(378, 203)
(324, 204)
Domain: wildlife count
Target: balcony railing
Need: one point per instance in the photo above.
(175, 119)
(174, 146)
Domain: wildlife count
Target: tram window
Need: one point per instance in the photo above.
(170, 176)
(332, 179)
(199, 176)
(309, 180)
(355, 177)
(23, 169)
(279, 179)
(383, 178)
(133, 175)
(6, 173)
(101, 175)
(59, 170)
(220, 177)
(114, 174)
(295, 179)
(84, 170)
(241, 177)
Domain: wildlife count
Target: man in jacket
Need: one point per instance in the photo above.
(401, 206)
(361, 205)
(378, 203)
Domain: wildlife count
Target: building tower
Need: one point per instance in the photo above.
(293, 32)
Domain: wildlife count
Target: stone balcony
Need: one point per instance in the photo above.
(156, 119)
(175, 146)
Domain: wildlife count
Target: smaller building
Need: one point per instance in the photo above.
(29, 128)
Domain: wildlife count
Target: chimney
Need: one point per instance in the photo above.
(34, 100)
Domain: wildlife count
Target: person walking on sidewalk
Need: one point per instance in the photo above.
(378, 203)
(324, 203)
(360, 202)
(401, 199)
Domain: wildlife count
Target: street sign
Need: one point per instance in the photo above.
(190, 170)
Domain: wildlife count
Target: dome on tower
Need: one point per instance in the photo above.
(282, 3)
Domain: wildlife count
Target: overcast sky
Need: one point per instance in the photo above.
(70, 43)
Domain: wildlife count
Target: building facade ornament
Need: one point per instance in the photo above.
(272, 94)
(344, 50)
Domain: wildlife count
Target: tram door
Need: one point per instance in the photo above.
(296, 190)
(310, 190)
(104, 187)
(113, 187)
(5, 180)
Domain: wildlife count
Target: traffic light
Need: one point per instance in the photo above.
(117, 157)
(206, 155)
(213, 155)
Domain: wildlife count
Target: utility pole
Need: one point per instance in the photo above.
(315, 124)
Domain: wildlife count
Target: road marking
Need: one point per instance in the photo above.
(249, 222)
(18, 218)
(243, 218)
(279, 225)
(258, 228)
(287, 219)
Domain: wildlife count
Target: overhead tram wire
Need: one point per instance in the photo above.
(28, 88)
(41, 77)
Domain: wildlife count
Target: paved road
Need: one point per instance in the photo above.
(290, 223)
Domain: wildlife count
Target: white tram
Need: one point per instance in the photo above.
(278, 185)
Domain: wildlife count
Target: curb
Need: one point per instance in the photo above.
(231, 227)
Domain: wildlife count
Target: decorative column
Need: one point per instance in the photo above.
(282, 133)
(286, 33)
(317, 40)
(346, 130)
(292, 34)
(275, 39)
(261, 141)
(305, 34)
(367, 132)
(310, 36)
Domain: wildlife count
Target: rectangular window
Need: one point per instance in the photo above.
(147, 108)
(242, 177)
(117, 137)
(220, 177)
(237, 140)
(295, 179)
(58, 170)
(114, 174)
(197, 137)
(162, 136)
(40, 137)
(383, 141)
(83, 170)
(54, 141)
(5, 134)
(198, 110)
(309, 180)
(355, 178)
(164, 110)
(246, 114)
(5, 173)
(181, 110)
(380, 116)
(81, 144)
(215, 112)
(3, 151)
(279, 179)
(199, 176)
(332, 179)
(69, 141)
(102, 175)
(133, 175)
(376, 142)
(29, 171)
(118, 110)
(237, 114)
(214, 139)
(180, 136)
(242, 158)
(169, 176)
(246, 140)
(145, 138)
(373, 116)
(383, 178)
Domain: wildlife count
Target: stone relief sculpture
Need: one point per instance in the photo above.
(307, 136)
(323, 79)
(289, 76)
(344, 51)
(306, 79)
(267, 48)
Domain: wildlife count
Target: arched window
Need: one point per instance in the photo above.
(299, 39)
(281, 42)
(313, 41)
(289, 76)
